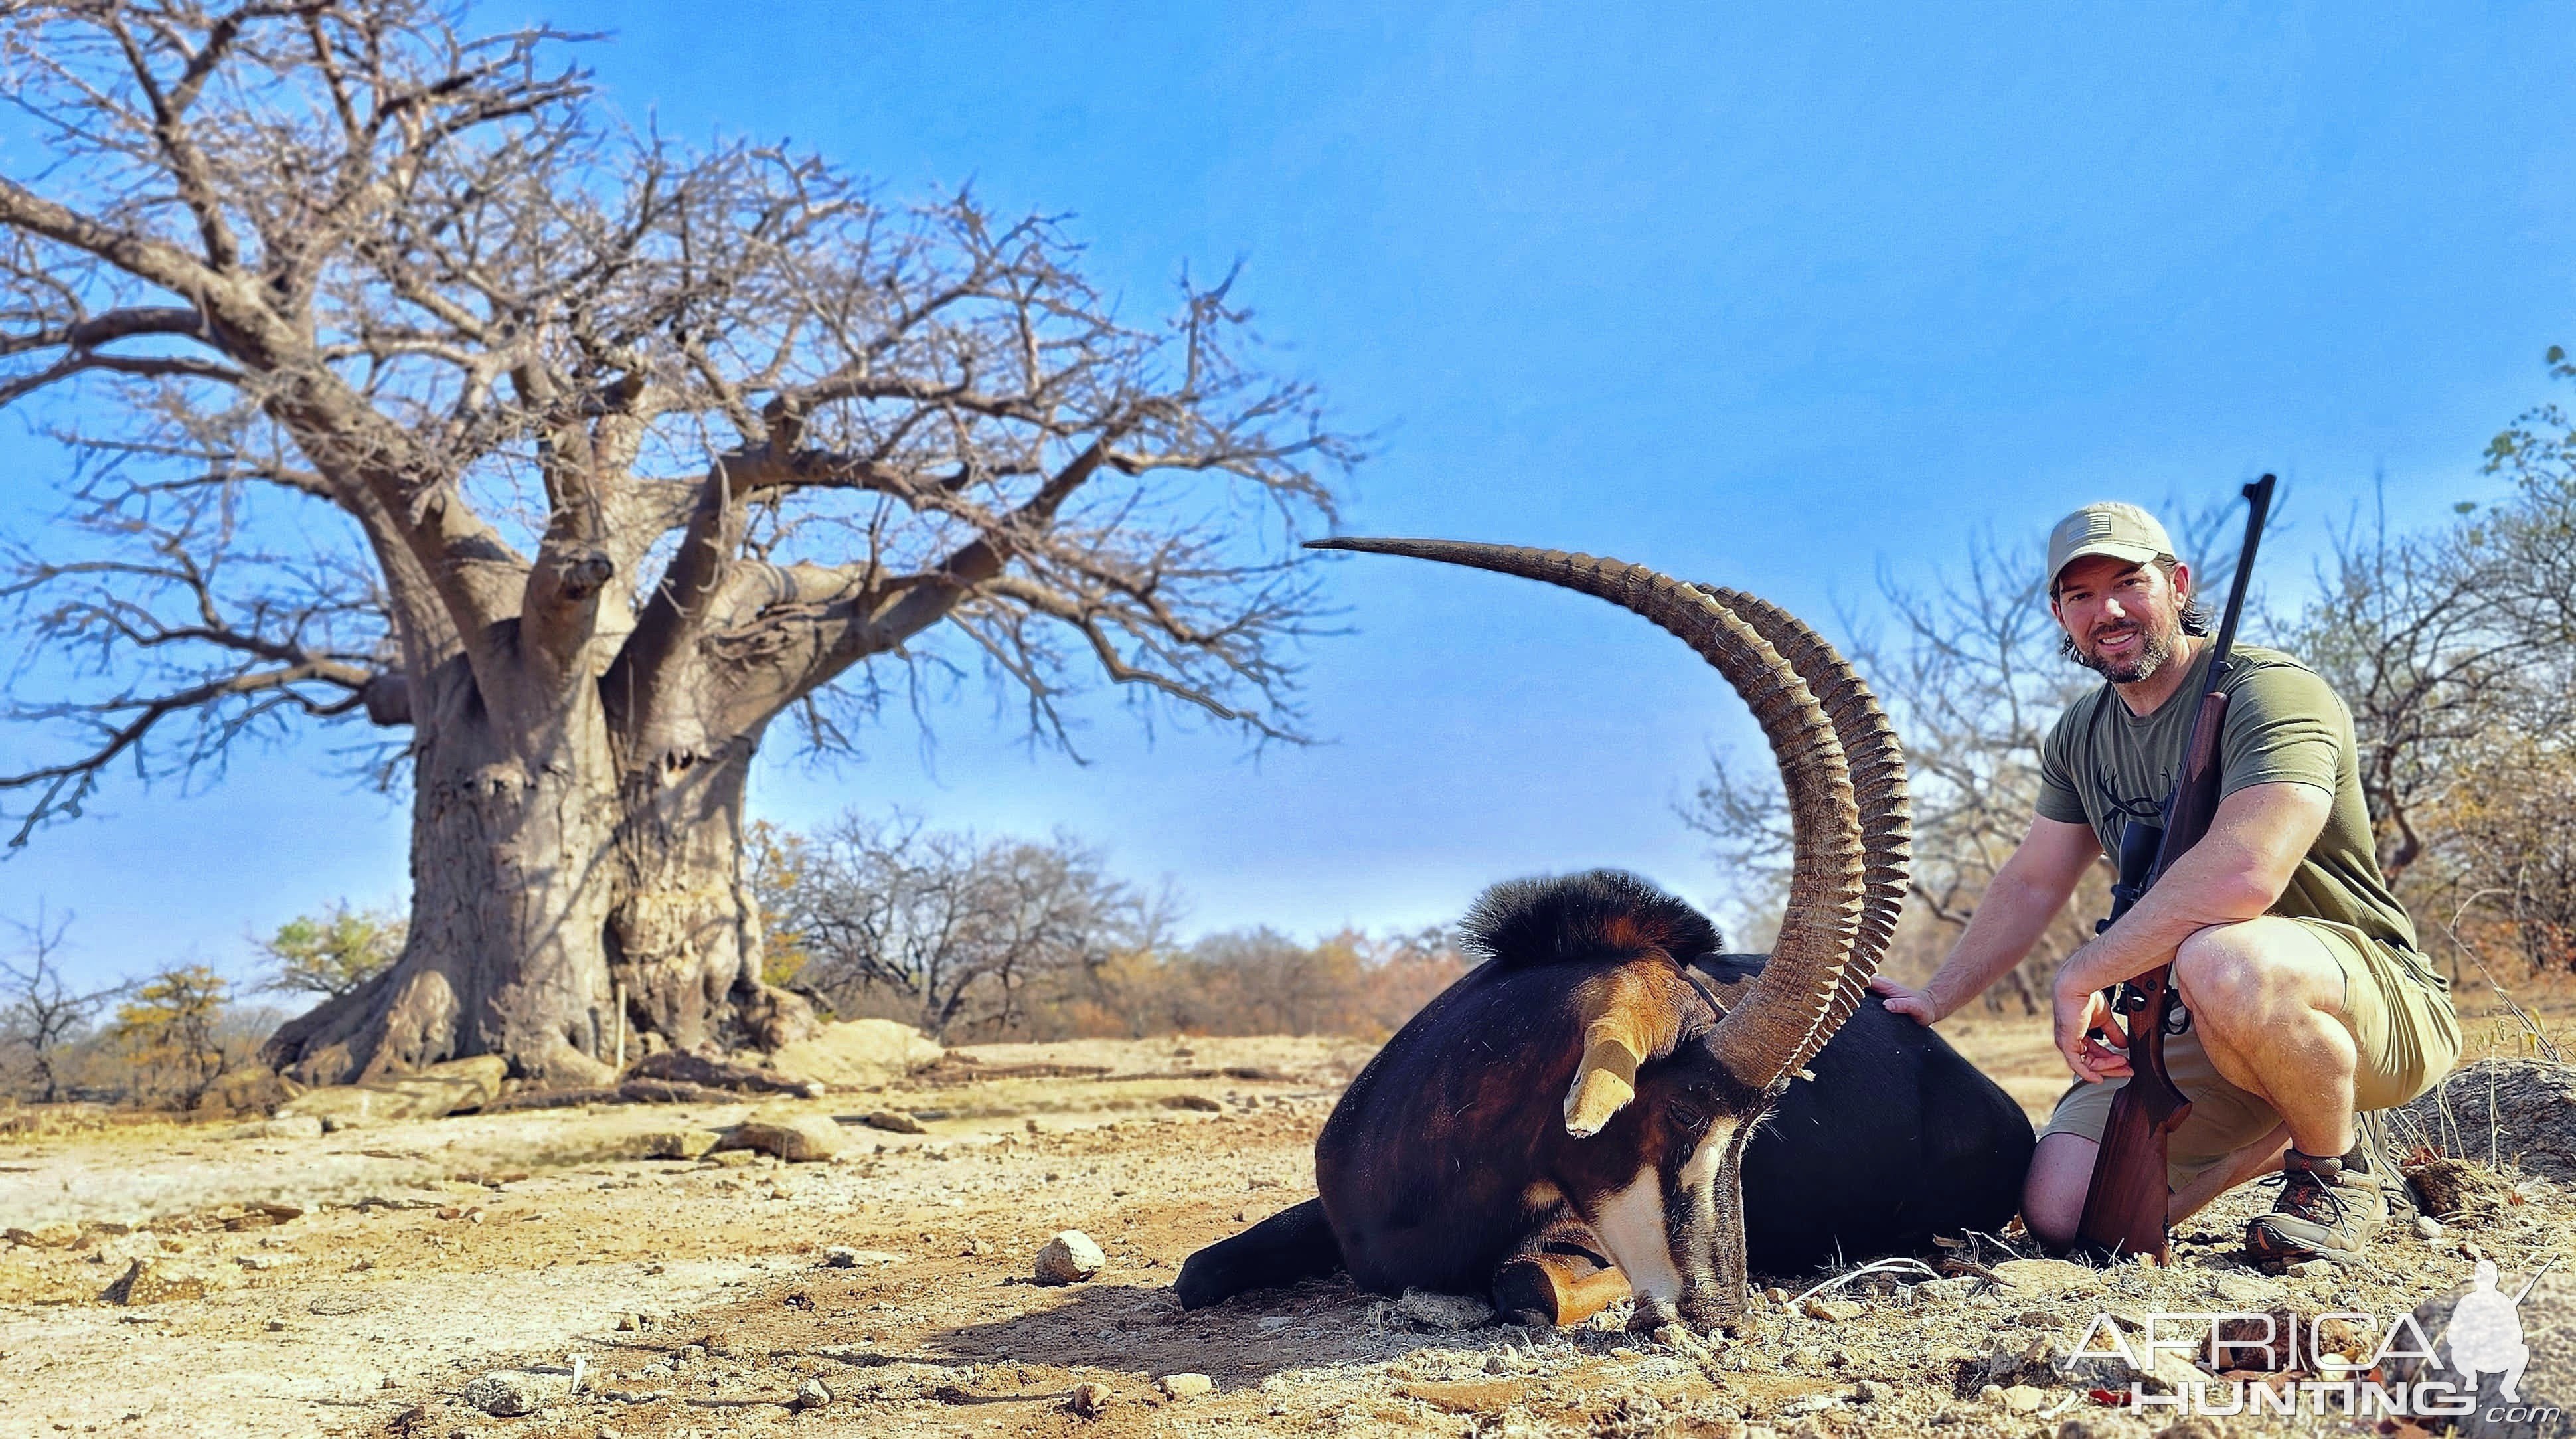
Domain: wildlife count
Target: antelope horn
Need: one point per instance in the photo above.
(1878, 786)
(1790, 1010)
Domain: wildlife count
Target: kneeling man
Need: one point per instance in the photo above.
(2309, 999)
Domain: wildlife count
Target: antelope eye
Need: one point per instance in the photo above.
(1686, 1116)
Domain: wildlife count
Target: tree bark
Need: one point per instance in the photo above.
(545, 883)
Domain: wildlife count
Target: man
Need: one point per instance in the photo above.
(2309, 999)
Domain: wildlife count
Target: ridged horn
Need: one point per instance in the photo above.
(1784, 1015)
(1878, 786)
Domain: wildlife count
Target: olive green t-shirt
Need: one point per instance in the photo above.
(2103, 766)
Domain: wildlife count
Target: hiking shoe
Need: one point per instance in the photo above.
(2328, 1209)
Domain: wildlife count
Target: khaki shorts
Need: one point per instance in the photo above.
(2402, 1027)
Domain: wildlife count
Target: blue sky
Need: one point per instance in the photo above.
(1768, 296)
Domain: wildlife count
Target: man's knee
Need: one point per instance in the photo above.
(2052, 1194)
(2222, 971)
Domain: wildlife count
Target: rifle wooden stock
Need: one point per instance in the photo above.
(2125, 1207)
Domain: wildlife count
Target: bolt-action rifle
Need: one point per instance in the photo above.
(2124, 1210)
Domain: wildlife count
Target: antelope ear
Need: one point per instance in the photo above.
(1631, 1015)
(1603, 1083)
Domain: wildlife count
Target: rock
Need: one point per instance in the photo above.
(2024, 1398)
(1090, 1401)
(1833, 1311)
(431, 1093)
(857, 1054)
(2547, 1393)
(253, 1090)
(893, 1121)
(60, 1234)
(2427, 1227)
(1069, 1258)
(796, 1138)
(842, 1256)
(2314, 1268)
(2046, 1363)
(497, 1395)
(2532, 1116)
(149, 1281)
(812, 1395)
(1447, 1312)
(1199, 1102)
(680, 1066)
(298, 1126)
(1187, 1386)
(2048, 1278)
(677, 1143)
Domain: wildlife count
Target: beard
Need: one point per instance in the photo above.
(2157, 642)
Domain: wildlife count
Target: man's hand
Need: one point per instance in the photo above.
(2082, 1013)
(1914, 1004)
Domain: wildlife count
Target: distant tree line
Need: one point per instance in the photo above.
(975, 938)
(2454, 646)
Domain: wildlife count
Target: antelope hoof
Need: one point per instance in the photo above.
(1652, 1314)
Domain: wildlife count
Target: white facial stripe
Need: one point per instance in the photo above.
(1630, 1222)
(1701, 1169)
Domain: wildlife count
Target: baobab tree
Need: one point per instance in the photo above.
(401, 383)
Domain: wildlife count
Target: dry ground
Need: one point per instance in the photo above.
(432, 1253)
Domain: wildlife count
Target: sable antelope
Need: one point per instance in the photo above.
(1443, 1168)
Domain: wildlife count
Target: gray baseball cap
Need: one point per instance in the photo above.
(2106, 527)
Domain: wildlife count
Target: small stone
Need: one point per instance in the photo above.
(1069, 1258)
(796, 1138)
(1429, 1309)
(1090, 1400)
(812, 1395)
(2427, 1227)
(1776, 1295)
(2314, 1268)
(1868, 1391)
(61, 1234)
(146, 1281)
(1832, 1311)
(2025, 1399)
(1187, 1386)
(894, 1121)
(500, 1397)
(678, 1143)
(842, 1256)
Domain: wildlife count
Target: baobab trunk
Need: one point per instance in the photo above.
(683, 939)
(546, 889)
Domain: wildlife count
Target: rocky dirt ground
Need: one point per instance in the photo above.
(369, 1281)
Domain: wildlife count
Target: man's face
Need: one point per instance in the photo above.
(2123, 620)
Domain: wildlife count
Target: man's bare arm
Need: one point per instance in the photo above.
(2018, 903)
(2238, 869)
(2254, 845)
